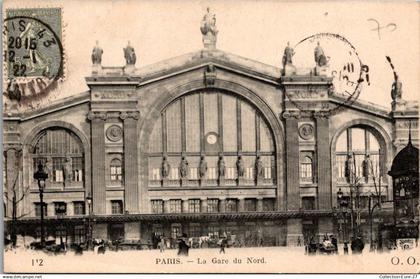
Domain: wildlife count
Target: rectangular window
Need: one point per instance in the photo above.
(38, 209)
(269, 204)
(156, 174)
(79, 234)
(211, 173)
(175, 206)
(176, 231)
(60, 208)
(250, 204)
(249, 173)
(195, 230)
(58, 166)
(116, 173)
(157, 206)
(213, 231)
(230, 173)
(193, 173)
(117, 207)
(231, 205)
(267, 173)
(308, 203)
(77, 167)
(212, 205)
(174, 175)
(194, 206)
(79, 208)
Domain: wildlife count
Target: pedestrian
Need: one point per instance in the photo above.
(299, 242)
(346, 248)
(161, 244)
(334, 242)
(222, 246)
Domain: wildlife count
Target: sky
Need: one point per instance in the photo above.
(258, 30)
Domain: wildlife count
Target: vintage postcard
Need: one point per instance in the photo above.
(210, 136)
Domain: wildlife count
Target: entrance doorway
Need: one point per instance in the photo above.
(116, 231)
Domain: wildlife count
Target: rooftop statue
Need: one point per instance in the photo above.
(97, 54)
(208, 29)
(320, 58)
(396, 91)
(129, 54)
(287, 56)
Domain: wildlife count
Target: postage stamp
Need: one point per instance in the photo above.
(33, 53)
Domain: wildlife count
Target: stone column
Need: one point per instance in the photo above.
(203, 205)
(131, 190)
(324, 161)
(166, 207)
(241, 205)
(260, 206)
(98, 161)
(222, 205)
(185, 208)
(292, 160)
(294, 231)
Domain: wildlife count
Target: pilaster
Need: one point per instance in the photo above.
(98, 161)
(130, 161)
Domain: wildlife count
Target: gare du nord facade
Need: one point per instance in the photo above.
(205, 144)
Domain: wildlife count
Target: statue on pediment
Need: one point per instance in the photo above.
(202, 167)
(240, 166)
(129, 54)
(97, 54)
(320, 58)
(183, 168)
(259, 168)
(208, 29)
(287, 56)
(396, 91)
(221, 166)
(67, 170)
(166, 167)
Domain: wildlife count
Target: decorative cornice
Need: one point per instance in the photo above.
(94, 115)
(16, 146)
(130, 114)
(291, 114)
(321, 114)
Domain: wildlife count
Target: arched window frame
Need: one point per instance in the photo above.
(51, 147)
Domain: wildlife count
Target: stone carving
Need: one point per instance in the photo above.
(130, 114)
(114, 133)
(259, 168)
(92, 115)
(306, 131)
(287, 56)
(209, 30)
(349, 171)
(221, 166)
(130, 55)
(366, 166)
(183, 168)
(240, 166)
(202, 167)
(49, 168)
(67, 170)
(210, 75)
(166, 167)
(13, 91)
(97, 54)
(320, 58)
(396, 91)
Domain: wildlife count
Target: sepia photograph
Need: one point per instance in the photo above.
(205, 136)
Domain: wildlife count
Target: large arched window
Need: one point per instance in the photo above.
(220, 126)
(358, 155)
(60, 151)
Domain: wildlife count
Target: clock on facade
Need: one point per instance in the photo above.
(211, 138)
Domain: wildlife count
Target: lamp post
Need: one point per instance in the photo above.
(40, 175)
(343, 211)
(89, 202)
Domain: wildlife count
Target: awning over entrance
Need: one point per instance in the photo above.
(176, 217)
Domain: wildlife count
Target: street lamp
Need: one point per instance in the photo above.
(89, 202)
(342, 205)
(40, 175)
